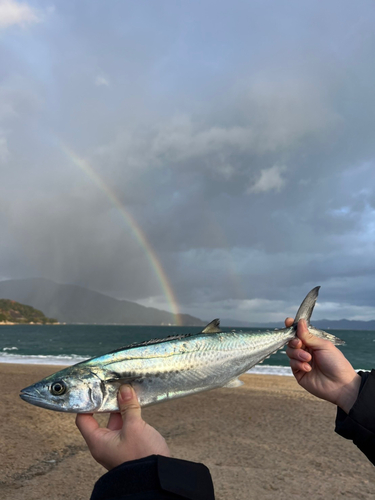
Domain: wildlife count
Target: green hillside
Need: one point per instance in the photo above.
(14, 312)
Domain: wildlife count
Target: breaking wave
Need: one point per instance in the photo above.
(62, 359)
(272, 370)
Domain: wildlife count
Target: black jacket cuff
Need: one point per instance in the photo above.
(359, 424)
(155, 477)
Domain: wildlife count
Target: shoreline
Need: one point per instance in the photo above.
(7, 323)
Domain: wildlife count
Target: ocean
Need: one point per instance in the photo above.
(69, 344)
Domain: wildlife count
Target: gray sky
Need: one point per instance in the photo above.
(239, 136)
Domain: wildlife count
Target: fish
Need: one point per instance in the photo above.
(164, 369)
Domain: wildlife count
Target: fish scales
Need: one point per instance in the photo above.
(164, 369)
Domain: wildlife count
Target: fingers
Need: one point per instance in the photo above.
(299, 358)
(299, 366)
(298, 354)
(289, 322)
(308, 339)
(87, 425)
(130, 408)
(296, 343)
(114, 422)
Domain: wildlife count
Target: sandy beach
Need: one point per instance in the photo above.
(265, 440)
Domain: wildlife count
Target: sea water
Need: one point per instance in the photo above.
(69, 344)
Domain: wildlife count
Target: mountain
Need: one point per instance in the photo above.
(345, 324)
(14, 312)
(74, 304)
(323, 324)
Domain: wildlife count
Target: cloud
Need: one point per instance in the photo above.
(245, 155)
(16, 14)
(101, 81)
(4, 151)
(270, 179)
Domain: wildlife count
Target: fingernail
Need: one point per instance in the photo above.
(307, 367)
(125, 393)
(305, 356)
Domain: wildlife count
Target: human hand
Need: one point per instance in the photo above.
(126, 437)
(321, 368)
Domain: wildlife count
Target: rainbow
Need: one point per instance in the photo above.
(136, 230)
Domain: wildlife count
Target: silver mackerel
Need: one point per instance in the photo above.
(164, 369)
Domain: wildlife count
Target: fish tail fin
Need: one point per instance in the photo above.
(326, 336)
(305, 311)
(306, 308)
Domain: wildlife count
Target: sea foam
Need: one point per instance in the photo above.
(63, 360)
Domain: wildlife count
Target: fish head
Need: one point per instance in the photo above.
(69, 390)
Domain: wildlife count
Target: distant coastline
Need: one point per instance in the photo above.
(30, 323)
(73, 304)
(323, 324)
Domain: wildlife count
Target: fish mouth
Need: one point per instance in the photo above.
(37, 400)
(32, 395)
(29, 397)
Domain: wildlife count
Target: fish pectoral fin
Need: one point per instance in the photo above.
(235, 382)
(213, 327)
(117, 377)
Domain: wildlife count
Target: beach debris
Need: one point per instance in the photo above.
(163, 369)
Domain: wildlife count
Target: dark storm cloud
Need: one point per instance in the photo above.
(239, 137)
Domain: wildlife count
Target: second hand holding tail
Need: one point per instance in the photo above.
(321, 368)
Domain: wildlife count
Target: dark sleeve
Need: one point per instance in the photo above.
(157, 478)
(359, 424)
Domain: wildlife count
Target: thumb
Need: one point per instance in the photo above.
(308, 338)
(130, 408)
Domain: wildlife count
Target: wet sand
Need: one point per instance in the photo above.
(265, 440)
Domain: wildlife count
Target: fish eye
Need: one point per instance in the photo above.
(58, 388)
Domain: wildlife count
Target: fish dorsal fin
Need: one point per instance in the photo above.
(213, 327)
